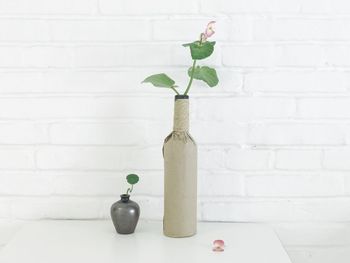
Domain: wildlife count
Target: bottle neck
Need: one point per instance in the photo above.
(181, 114)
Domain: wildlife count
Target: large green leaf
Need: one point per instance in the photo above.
(160, 80)
(201, 50)
(132, 178)
(207, 74)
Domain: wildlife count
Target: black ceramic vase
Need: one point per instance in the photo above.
(125, 214)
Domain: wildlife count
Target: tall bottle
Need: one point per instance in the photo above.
(180, 175)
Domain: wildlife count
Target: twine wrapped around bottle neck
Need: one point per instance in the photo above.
(181, 114)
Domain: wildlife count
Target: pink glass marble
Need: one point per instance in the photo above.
(218, 245)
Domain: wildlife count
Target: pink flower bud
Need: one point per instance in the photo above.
(209, 31)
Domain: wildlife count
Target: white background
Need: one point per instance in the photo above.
(273, 137)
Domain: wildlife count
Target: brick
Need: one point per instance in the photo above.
(133, 7)
(150, 158)
(5, 208)
(268, 55)
(300, 29)
(346, 183)
(248, 159)
(98, 133)
(245, 108)
(99, 158)
(46, 56)
(29, 108)
(220, 184)
(138, 108)
(99, 56)
(238, 210)
(337, 158)
(297, 134)
(105, 183)
(10, 56)
(35, 57)
(303, 82)
(300, 55)
(166, 55)
(285, 185)
(211, 159)
(242, 28)
(145, 55)
(94, 184)
(249, 55)
(325, 6)
(155, 132)
(45, 7)
(16, 82)
(84, 107)
(250, 6)
(337, 55)
(24, 30)
(298, 159)
(25, 184)
(339, 6)
(67, 81)
(23, 133)
(324, 108)
(218, 132)
(65, 157)
(17, 157)
(100, 30)
(164, 29)
(57, 208)
(90, 81)
(276, 210)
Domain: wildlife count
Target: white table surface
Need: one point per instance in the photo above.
(69, 241)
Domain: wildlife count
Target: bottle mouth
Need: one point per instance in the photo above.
(181, 97)
(124, 198)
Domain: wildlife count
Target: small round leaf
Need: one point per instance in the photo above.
(132, 178)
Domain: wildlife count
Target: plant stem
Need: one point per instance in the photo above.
(129, 189)
(175, 90)
(191, 78)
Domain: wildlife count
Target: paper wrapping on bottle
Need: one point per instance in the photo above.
(180, 177)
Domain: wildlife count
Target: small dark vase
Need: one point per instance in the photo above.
(125, 214)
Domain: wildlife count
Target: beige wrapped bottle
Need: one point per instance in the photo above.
(180, 175)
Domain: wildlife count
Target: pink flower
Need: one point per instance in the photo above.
(209, 31)
(218, 245)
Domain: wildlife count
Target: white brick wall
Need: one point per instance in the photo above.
(274, 136)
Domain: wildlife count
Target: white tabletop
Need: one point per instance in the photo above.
(96, 241)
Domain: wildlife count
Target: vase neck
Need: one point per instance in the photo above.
(181, 114)
(124, 198)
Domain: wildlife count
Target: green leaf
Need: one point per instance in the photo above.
(160, 80)
(201, 51)
(207, 74)
(132, 178)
